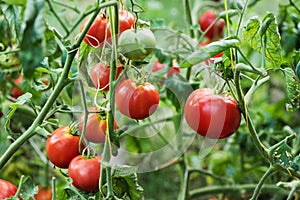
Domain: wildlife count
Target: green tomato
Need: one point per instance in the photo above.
(137, 44)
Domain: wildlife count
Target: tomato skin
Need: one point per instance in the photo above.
(7, 189)
(207, 18)
(62, 147)
(136, 101)
(100, 76)
(137, 44)
(16, 92)
(43, 194)
(85, 173)
(211, 115)
(95, 127)
(97, 31)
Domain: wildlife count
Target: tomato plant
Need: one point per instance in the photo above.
(62, 146)
(137, 44)
(64, 50)
(207, 19)
(211, 115)
(85, 172)
(7, 189)
(96, 126)
(100, 75)
(136, 101)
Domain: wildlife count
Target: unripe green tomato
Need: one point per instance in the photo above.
(137, 44)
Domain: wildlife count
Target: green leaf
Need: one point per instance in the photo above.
(282, 155)
(125, 183)
(13, 16)
(13, 107)
(177, 90)
(15, 2)
(264, 36)
(52, 48)
(32, 49)
(28, 188)
(293, 89)
(209, 51)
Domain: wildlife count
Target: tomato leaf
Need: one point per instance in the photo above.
(15, 2)
(177, 90)
(32, 50)
(28, 188)
(264, 36)
(209, 51)
(282, 155)
(125, 181)
(13, 107)
(293, 89)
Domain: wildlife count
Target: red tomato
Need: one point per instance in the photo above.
(7, 189)
(100, 76)
(97, 31)
(206, 19)
(211, 115)
(211, 60)
(85, 173)
(62, 146)
(44, 194)
(136, 101)
(95, 126)
(101, 28)
(126, 21)
(16, 92)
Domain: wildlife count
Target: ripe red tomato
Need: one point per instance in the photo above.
(211, 115)
(137, 44)
(97, 31)
(211, 60)
(16, 92)
(43, 194)
(7, 189)
(95, 126)
(126, 21)
(136, 101)
(62, 146)
(100, 76)
(85, 173)
(101, 28)
(206, 19)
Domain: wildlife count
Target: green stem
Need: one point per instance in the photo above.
(241, 18)
(9, 51)
(291, 194)
(208, 173)
(184, 180)
(53, 188)
(110, 192)
(57, 17)
(236, 189)
(75, 9)
(243, 107)
(258, 187)
(19, 186)
(294, 5)
(114, 20)
(63, 81)
(188, 16)
(254, 87)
